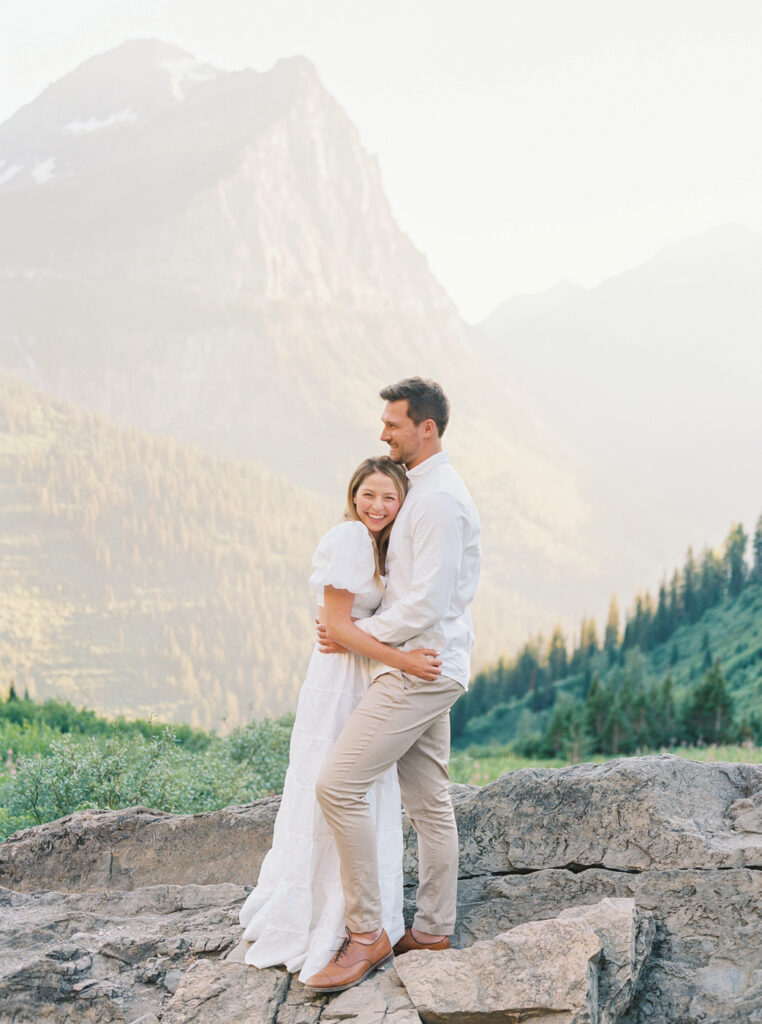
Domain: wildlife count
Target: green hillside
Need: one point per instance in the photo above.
(142, 577)
(687, 668)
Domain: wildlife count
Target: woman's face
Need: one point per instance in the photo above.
(377, 501)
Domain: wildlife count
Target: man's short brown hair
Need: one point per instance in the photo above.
(425, 400)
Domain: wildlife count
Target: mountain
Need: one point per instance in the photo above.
(221, 264)
(653, 377)
(141, 577)
(211, 255)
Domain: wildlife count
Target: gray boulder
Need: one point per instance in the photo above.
(546, 970)
(626, 936)
(92, 851)
(578, 968)
(634, 814)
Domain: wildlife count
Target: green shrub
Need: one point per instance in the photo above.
(263, 747)
(74, 774)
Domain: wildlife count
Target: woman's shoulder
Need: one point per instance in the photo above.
(344, 558)
(350, 530)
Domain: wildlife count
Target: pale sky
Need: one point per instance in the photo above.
(520, 143)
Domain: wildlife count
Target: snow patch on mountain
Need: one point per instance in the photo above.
(44, 170)
(9, 171)
(187, 71)
(93, 124)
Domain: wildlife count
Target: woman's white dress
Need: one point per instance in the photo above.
(295, 915)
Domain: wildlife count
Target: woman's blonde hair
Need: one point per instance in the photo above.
(396, 473)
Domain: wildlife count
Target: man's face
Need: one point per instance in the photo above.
(404, 438)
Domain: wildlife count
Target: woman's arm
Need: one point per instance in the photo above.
(337, 616)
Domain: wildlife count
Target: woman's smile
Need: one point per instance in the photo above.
(377, 502)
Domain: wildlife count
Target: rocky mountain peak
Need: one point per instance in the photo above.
(95, 107)
(247, 184)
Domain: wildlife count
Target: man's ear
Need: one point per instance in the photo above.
(429, 428)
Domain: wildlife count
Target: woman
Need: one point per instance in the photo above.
(295, 915)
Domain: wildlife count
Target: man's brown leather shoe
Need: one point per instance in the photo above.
(408, 942)
(352, 964)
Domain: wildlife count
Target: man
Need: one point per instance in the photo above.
(433, 566)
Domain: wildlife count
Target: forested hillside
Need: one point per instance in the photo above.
(144, 577)
(686, 668)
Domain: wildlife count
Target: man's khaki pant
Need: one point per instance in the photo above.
(403, 721)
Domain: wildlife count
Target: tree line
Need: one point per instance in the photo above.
(563, 686)
(622, 718)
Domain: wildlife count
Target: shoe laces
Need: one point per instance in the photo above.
(343, 947)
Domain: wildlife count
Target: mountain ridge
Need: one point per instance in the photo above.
(654, 378)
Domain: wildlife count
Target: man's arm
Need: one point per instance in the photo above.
(437, 553)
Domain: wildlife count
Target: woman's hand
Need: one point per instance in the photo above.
(423, 663)
(325, 645)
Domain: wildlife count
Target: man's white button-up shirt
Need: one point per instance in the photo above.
(433, 565)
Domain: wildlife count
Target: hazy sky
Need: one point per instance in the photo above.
(520, 143)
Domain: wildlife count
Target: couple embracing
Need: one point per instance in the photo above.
(372, 727)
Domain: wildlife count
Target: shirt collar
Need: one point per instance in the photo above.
(425, 467)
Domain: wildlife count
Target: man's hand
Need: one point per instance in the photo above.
(423, 663)
(325, 645)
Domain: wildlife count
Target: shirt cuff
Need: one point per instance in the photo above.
(366, 625)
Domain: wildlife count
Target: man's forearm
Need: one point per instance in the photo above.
(404, 619)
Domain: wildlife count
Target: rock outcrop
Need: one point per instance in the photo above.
(102, 850)
(578, 968)
(542, 853)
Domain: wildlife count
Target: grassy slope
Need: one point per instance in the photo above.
(734, 632)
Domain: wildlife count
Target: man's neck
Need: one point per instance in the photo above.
(423, 456)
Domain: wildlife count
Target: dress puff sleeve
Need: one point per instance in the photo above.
(344, 559)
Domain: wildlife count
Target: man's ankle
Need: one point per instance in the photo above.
(420, 936)
(367, 937)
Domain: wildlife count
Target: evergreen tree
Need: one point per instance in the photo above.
(711, 579)
(478, 696)
(557, 657)
(458, 716)
(640, 719)
(662, 627)
(617, 732)
(633, 630)
(567, 735)
(500, 678)
(750, 730)
(542, 692)
(690, 592)
(756, 572)
(642, 622)
(706, 647)
(665, 725)
(596, 711)
(526, 669)
(588, 639)
(675, 607)
(709, 709)
(735, 551)
(611, 636)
